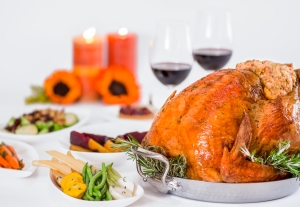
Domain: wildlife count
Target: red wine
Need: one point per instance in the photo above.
(212, 58)
(170, 73)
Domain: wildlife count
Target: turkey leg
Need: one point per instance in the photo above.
(235, 168)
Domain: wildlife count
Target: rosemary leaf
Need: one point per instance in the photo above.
(278, 158)
(150, 166)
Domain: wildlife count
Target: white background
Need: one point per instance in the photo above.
(36, 35)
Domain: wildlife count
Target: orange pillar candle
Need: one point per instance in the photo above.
(122, 49)
(87, 61)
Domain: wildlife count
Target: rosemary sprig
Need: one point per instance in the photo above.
(150, 166)
(278, 158)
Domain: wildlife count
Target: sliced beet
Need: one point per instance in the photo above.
(101, 139)
(79, 139)
(139, 136)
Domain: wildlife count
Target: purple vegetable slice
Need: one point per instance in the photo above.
(101, 139)
(139, 136)
(79, 139)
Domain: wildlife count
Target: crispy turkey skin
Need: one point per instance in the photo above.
(203, 120)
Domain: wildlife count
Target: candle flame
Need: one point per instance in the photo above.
(89, 34)
(123, 31)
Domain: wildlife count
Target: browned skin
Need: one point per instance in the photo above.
(205, 117)
(236, 168)
(274, 120)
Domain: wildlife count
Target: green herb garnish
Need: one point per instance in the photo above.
(278, 158)
(150, 166)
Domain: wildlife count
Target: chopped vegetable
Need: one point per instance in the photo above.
(29, 129)
(60, 167)
(73, 185)
(93, 145)
(58, 176)
(118, 193)
(70, 119)
(78, 148)
(89, 141)
(126, 183)
(4, 163)
(24, 121)
(13, 161)
(75, 164)
(44, 131)
(11, 122)
(9, 157)
(139, 136)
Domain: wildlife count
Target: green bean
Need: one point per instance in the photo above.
(84, 171)
(92, 182)
(88, 196)
(103, 181)
(87, 180)
(103, 190)
(89, 172)
(85, 197)
(108, 196)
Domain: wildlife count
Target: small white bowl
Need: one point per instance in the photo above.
(139, 192)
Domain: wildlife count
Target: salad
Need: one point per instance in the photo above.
(41, 122)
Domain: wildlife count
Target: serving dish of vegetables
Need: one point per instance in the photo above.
(93, 142)
(38, 124)
(80, 182)
(41, 122)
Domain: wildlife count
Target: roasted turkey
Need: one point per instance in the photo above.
(255, 105)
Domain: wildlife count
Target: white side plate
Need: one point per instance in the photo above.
(25, 152)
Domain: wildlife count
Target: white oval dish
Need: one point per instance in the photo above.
(83, 115)
(111, 129)
(25, 152)
(138, 193)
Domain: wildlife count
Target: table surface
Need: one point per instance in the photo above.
(36, 190)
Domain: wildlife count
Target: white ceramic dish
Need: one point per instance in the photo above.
(138, 193)
(111, 129)
(83, 115)
(25, 152)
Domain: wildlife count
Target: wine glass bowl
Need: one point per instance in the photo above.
(213, 38)
(171, 53)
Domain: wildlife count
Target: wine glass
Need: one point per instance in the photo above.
(213, 40)
(171, 52)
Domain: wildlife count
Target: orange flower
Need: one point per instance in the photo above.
(117, 85)
(63, 87)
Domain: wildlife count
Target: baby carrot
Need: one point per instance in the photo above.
(13, 151)
(7, 155)
(14, 154)
(4, 163)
